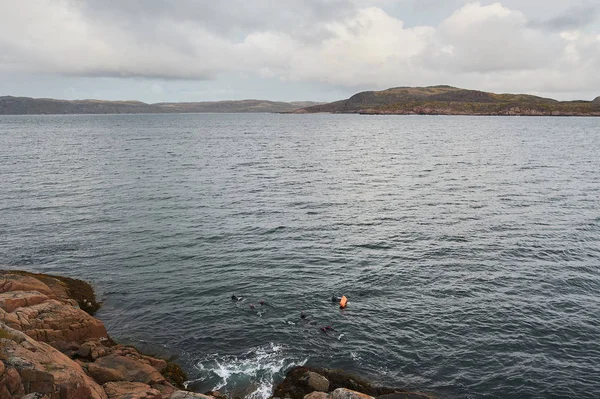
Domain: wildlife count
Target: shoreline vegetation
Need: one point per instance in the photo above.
(52, 347)
(431, 100)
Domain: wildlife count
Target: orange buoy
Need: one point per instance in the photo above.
(343, 302)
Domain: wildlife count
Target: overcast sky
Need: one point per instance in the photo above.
(322, 50)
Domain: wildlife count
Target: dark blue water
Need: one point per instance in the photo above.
(469, 247)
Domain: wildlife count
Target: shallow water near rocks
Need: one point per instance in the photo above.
(468, 247)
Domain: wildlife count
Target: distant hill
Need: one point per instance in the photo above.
(448, 100)
(28, 106)
(235, 106)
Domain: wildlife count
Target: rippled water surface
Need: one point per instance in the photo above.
(469, 247)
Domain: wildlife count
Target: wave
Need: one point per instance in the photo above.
(250, 375)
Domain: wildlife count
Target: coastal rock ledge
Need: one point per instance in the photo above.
(319, 383)
(51, 347)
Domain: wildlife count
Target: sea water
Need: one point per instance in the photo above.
(468, 247)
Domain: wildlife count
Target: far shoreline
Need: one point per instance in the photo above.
(595, 115)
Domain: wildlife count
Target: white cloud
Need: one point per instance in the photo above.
(368, 48)
(480, 46)
(487, 39)
(53, 36)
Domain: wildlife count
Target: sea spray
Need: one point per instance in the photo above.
(251, 374)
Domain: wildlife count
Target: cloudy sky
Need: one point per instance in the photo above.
(195, 50)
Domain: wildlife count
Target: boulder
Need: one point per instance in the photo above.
(10, 384)
(92, 350)
(216, 395)
(69, 290)
(130, 390)
(102, 375)
(317, 395)
(296, 384)
(130, 368)
(315, 382)
(44, 370)
(54, 322)
(16, 282)
(159, 364)
(12, 300)
(35, 380)
(343, 393)
(36, 396)
(83, 352)
(189, 395)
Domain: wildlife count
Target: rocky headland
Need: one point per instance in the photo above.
(448, 100)
(51, 347)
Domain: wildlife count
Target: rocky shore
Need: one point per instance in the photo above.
(450, 110)
(51, 347)
(319, 383)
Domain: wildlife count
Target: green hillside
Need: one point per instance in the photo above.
(448, 100)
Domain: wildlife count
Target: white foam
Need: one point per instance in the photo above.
(253, 371)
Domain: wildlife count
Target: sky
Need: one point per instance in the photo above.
(286, 50)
